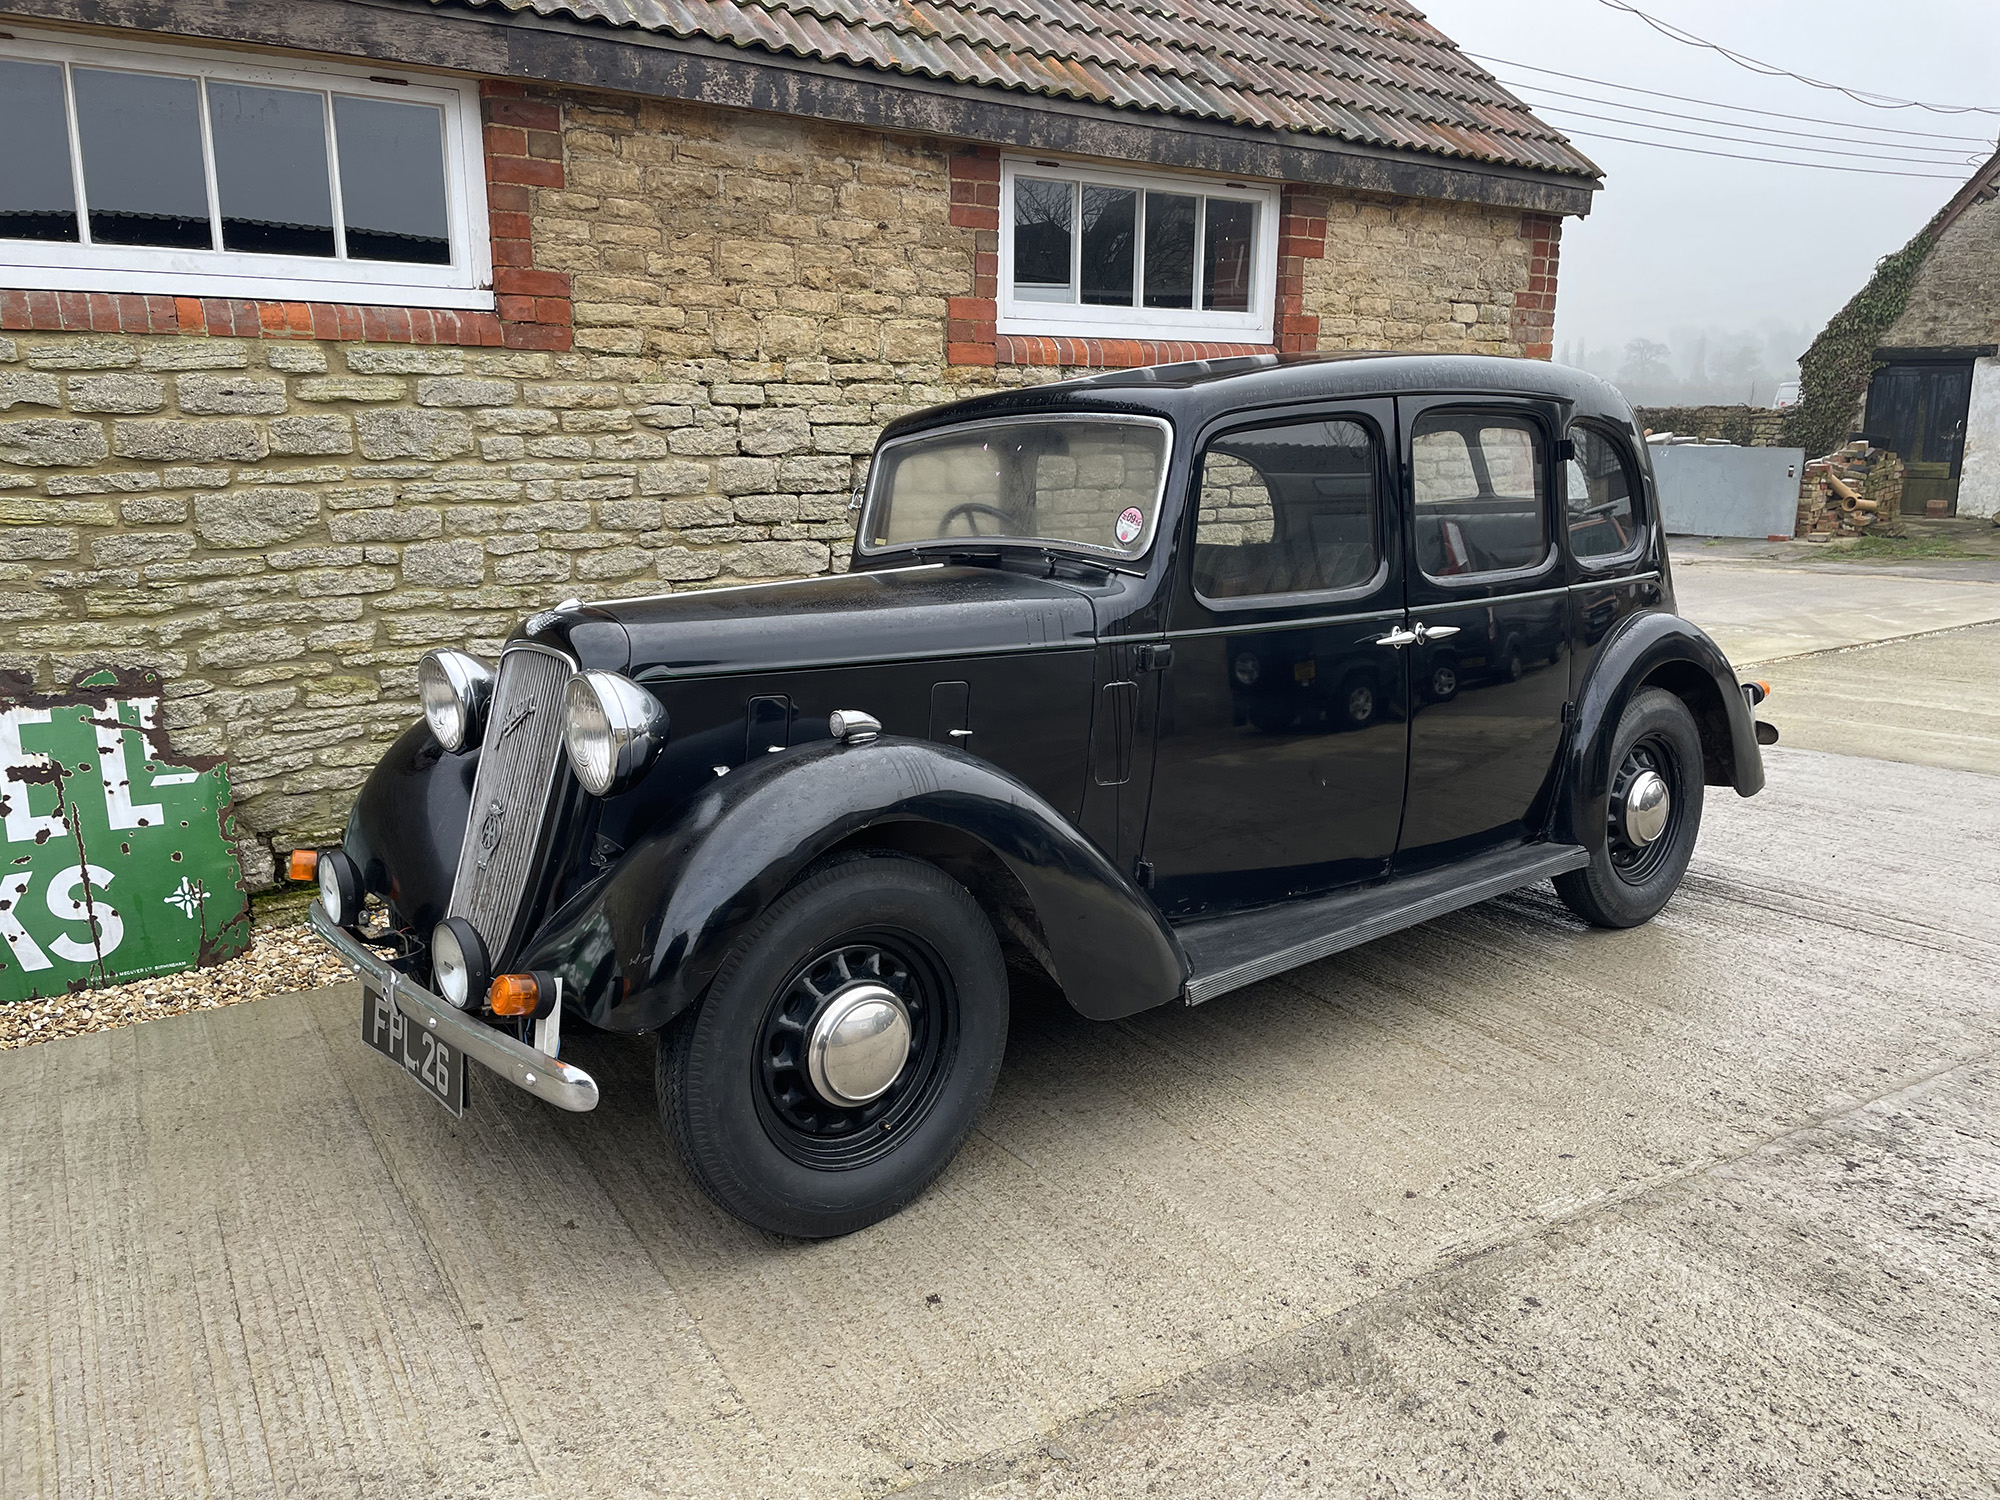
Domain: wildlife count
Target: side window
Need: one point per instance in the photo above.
(1598, 486)
(1478, 490)
(1287, 510)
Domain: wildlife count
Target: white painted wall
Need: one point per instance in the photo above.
(1979, 472)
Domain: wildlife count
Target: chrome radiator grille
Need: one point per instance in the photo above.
(514, 796)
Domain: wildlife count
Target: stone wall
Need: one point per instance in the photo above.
(1746, 426)
(1954, 300)
(1436, 277)
(280, 524)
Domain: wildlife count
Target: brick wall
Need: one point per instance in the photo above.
(705, 318)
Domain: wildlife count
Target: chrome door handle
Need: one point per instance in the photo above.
(1399, 637)
(1436, 632)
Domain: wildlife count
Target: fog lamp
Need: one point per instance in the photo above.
(459, 965)
(339, 888)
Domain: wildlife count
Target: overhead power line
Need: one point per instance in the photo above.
(1771, 70)
(1955, 150)
(1742, 109)
(1823, 166)
(1710, 135)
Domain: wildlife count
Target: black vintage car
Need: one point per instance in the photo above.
(1158, 682)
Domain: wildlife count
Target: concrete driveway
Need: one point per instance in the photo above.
(1497, 1206)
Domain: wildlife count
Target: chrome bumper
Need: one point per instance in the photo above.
(562, 1085)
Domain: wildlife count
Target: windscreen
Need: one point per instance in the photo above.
(1078, 481)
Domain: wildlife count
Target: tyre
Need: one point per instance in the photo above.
(843, 1051)
(1653, 816)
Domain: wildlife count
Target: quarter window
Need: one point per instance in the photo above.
(1138, 256)
(1287, 510)
(1598, 497)
(1477, 482)
(169, 171)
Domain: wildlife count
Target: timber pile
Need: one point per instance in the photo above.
(1857, 490)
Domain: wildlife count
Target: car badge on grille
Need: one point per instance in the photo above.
(521, 716)
(489, 834)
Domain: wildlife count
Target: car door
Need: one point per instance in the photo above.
(1281, 724)
(1489, 665)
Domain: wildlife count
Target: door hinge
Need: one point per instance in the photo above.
(1142, 874)
(1156, 656)
(1569, 713)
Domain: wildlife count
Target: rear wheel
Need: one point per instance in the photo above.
(1652, 817)
(843, 1050)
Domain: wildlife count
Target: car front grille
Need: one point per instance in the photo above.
(514, 795)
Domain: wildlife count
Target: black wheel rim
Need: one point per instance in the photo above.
(833, 1137)
(1636, 864)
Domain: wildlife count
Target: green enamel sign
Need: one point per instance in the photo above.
(115, 863)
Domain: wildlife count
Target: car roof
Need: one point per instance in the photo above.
(1192, 393)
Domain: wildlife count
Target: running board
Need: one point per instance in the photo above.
(1230, 952)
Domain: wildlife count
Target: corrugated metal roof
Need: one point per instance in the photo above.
(1370, 71)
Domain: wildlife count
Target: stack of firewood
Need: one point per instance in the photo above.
(1857, 490)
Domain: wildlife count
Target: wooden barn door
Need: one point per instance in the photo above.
(1918, 409)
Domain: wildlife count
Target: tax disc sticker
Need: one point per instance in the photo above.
(1130, 523)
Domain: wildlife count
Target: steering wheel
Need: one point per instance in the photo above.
(971, 510)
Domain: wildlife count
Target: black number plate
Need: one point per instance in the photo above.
(434, 1063)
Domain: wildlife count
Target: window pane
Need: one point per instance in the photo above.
(1598, 497)
(142, 169)
(37, 197)
(1225, 274)
(1286, 510)
(1095, 483)
(270, 169)
(1478, 482)
(392, 181)
(1110, 222)
(1044, 211)
(1170, 249)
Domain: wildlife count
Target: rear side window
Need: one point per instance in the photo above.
(1598, 486)
(1478, 490)
(1287, 510)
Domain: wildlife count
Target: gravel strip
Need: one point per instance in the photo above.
(281, 959)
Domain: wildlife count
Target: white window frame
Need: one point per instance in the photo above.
(1031, 316)
(466, 283)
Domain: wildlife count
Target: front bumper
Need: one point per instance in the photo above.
(559, 1083)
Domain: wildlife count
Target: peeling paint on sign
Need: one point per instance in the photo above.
(115, 862)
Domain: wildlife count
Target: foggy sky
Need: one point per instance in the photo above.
(1686, 241)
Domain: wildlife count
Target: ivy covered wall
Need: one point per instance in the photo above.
(1834, 373)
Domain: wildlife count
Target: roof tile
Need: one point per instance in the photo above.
(1375, 72)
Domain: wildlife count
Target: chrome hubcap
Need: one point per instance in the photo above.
(858, 1044)
(1647, 806)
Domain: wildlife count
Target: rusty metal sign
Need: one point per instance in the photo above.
(116, 862)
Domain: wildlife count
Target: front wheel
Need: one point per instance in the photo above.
(1652, 817)
(843, 1050)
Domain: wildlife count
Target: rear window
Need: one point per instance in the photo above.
(1088, 482)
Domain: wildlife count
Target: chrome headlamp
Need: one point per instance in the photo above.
(612, 729)
(456, 689)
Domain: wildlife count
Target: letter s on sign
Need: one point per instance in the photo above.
(65, 903)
